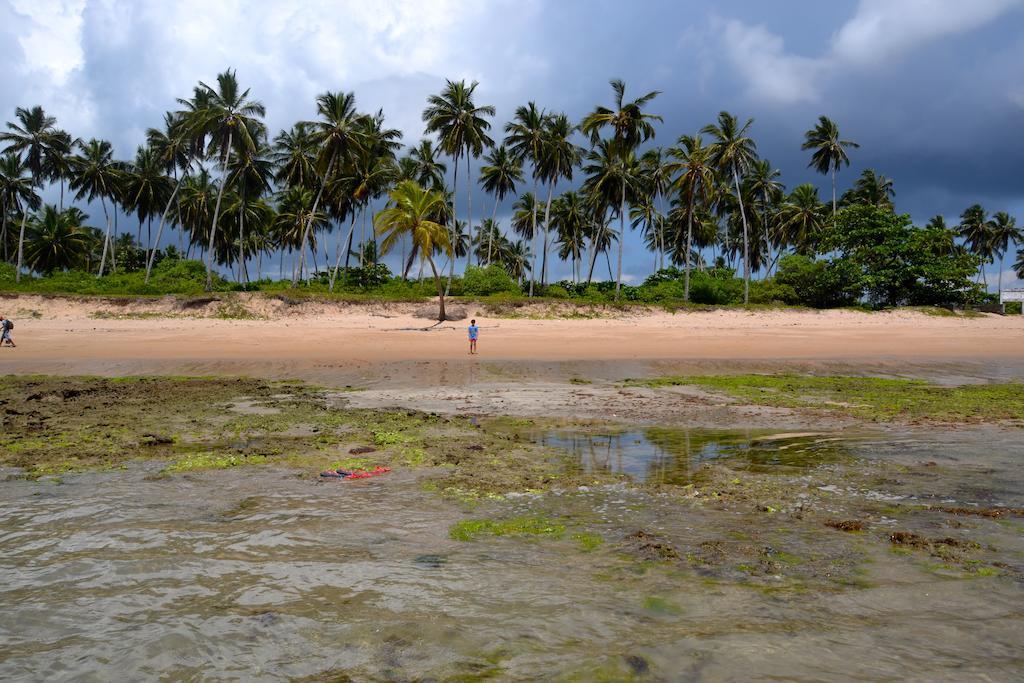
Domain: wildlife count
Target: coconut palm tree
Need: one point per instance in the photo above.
(250, 173)
(146, 189)
(734, 152)
(429, 171)
(976, 230)
(801, 219)
(829, 151)
(524, 136)
(572, 220)
(559, 156)
(765, 189)
(1018, 267)
(871, 189)
(58, 161)
(339, 133)
(516, 259)
(56, 240)
(499, 175)
(95, 174)
(630, 127)
(294, 156)
(415, 212)
(36, 139)
(17, 193)
(1003, 232)
(695, 164)
(172, 148)
(462, 131)
(231, 122)
(609, 172)
(657, 176)
(524, 216)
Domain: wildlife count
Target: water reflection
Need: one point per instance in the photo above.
(673, 456)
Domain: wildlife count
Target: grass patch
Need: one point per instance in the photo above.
(472, 529)
(871, 398)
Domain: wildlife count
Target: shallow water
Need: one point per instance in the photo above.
(267, 574)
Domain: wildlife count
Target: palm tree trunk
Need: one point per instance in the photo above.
(455, 220)
(160, 228)
(490, 232)
(622, 237)
(547, 219)
(440, 290)
(469, 201)
(3, 234)
(337, 263)
(1001, 257)
(106, 237)
(312, 214)
(689, 249)
(533, 235)
(833, 196)
(216, 215)
(746, 245)
(21, 244)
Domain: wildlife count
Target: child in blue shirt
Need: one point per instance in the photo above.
(474, 331)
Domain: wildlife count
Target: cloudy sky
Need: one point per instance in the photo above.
(933, 90)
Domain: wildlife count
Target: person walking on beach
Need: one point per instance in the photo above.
(5, 331)
(474, 332)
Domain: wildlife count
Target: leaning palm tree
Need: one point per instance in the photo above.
(231, 121)
(17, 193)
(734, 152)
(629, 126)
(1003, 232)
(35, 139)
(416, 212)
(171, 147)
(95, 174)
(462, 130)
(695, 183)
(829, 151)
(612, 179)
(499, 175)
(976, 230)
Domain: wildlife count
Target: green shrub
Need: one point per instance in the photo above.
(485, 281)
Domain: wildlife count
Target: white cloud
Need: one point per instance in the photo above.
(772, 75)
(881, 29)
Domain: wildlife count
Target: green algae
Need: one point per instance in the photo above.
(472, 529)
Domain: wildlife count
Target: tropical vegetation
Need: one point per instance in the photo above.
(211, 185)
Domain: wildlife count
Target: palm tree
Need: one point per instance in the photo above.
(976, 230)
(95, 174)
(146, 189)
(499, 175)
(56, 240)
(232, 122)
(516, 258)
(58, 161)
(294, 156)
(429, 171)
(415, 212)
(171, 147)
(612, 179)
(829, 151)
(524, 135)
(17, 193)
(462, 130)
(35, 139)
(766, 190)
(657, 176)
(558, 158)
(801, 218)
(1018, 267)
(734, 152)
(630, 127)
(571, 219)
(250, 175)
(872, 190)
(1003, 232)
(696, 178)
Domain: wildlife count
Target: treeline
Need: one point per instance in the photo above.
(710, 211)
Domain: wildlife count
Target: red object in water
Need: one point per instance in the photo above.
(366, 474)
